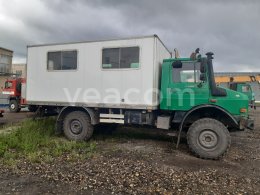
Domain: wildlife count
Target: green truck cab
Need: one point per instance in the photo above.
(205, 112)
(246, 89)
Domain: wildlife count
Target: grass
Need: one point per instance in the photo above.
(35, 140)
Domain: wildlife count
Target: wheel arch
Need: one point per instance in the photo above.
(65, 110)
(210, 111)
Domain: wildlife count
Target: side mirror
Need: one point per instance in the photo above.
(177, 64)
(203, 77)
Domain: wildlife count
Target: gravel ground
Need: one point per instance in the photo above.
(11, 118)
(135, 165)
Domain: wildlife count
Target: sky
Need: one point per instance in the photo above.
(230, 29)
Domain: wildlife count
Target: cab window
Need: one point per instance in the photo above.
(8, 85)
(245, 89)
(189, 73)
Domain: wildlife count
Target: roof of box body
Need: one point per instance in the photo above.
(118, 39)
(6, 49)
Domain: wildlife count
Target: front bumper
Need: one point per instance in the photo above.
(246, 123)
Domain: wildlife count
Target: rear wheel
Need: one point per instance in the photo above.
(208, 138)
(77, 126)
(14, 106)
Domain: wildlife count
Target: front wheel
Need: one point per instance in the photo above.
(208, 138)
(77, 126)
(14, 106)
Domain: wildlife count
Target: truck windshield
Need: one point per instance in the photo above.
(8, 84)
(189, 73)
(246, 89)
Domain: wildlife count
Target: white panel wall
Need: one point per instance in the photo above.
(47, 87)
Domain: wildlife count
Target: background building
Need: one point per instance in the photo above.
(19, 70)
(252, 78)
(6, 57)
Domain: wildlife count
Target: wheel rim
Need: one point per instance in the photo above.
(208, 139)
(12, 106)
(76, 127)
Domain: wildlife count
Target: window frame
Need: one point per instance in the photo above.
(19, 72)
(120, 69)
(194, 70)
(248, 89)
(9, 87)
(6, 67)
(64, 50)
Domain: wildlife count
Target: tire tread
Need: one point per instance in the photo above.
(191, 136)
(88, 129)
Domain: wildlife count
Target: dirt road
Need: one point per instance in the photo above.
(141, 163)
(10, 118)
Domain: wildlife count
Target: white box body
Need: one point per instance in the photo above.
(74, 87)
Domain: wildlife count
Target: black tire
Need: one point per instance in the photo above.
(208, 138)
(77, 126)
(32, 108)
(14, 106)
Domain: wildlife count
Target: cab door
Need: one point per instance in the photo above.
(187, 88)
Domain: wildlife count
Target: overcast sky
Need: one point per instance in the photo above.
(230, 29)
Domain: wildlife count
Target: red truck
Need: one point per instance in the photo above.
(15, 88)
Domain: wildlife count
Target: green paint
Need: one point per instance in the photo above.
(179, 59)
(134, 65)
(245, 89)
(233, 102)
(107, 65)
(183, 96)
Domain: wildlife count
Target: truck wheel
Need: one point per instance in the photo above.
(208, 138)
(77, 126)
(14, 106)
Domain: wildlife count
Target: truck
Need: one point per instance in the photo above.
(242, 87)
(15, 89)
(246, 89)
(251, 79)
(135, 81)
